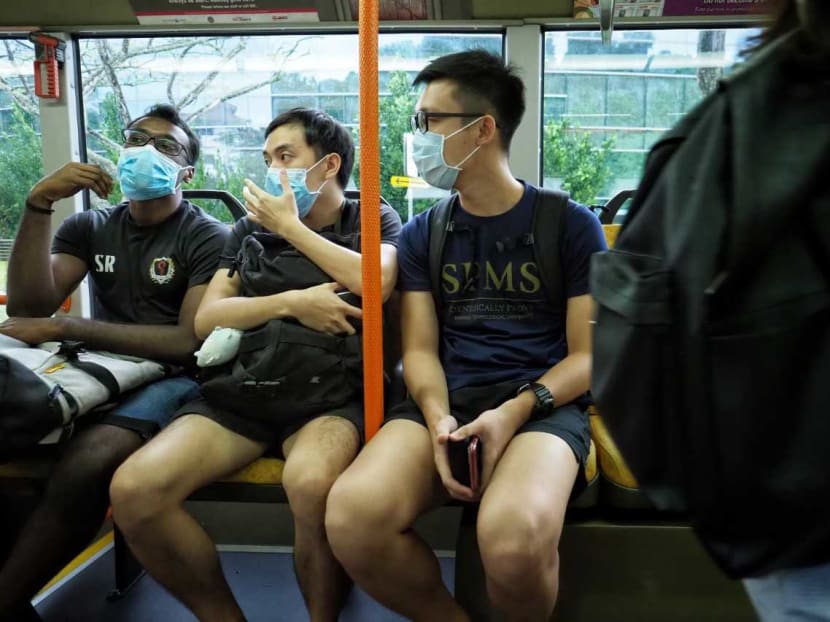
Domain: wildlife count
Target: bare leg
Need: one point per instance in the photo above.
(78, 488)
(147, 495)
(369, 519)
(520, 522)
(316, 456)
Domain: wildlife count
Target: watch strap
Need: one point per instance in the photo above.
(545, 402)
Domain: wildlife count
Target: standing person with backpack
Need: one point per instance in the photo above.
(148, 261)
(712, 336)
(489, 351)
(280, 280)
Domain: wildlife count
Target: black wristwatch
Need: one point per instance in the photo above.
(544, 399)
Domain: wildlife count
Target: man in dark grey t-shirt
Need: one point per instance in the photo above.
(309, 157)
(148, 260)
(140, 274)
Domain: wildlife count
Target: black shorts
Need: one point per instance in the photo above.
(272, 433)
(568, 422)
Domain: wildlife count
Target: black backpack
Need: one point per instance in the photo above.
(285, 371)
(711, 349)
(549, 215)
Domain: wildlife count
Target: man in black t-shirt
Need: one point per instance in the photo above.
(309, 157)
(148, 261)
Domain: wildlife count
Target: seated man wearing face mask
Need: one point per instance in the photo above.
(498, 352)
(301, 220)
(148, 260)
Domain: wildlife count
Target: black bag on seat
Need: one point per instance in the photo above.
(29, 413)
(711, 349)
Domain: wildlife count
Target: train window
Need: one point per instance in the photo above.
(21, 158)
(604, 107)
(229, 88)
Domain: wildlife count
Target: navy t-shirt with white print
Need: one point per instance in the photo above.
(497, 323)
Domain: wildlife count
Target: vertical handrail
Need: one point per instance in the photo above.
(368, 26)
(606, 20)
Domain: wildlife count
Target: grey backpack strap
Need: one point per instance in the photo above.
(71, 349)
(549, 218)
(440, 217)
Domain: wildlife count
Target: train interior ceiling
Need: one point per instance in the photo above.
(81, 14)
(621, 560)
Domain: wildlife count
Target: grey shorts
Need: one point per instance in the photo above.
(568, 422)
(271, 433)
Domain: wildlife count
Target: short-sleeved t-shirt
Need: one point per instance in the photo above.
(390, 229)
(496, 321)
(140, 275)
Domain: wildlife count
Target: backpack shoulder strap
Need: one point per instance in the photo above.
(549, 217)
(440, 217)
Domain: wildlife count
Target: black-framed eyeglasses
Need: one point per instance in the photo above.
(139, 138)
(419, 122)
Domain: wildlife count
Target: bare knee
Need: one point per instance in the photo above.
(515, 544)
(138, 496)
(307, 487)
(358, 521)
(343, 512)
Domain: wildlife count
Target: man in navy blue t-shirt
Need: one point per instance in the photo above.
(493, 358)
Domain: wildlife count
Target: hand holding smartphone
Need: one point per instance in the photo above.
(465, 459)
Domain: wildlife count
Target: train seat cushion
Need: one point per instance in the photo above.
(263, 471)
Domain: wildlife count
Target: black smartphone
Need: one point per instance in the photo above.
(465, 459)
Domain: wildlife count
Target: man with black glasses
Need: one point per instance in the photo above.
(148, 260)
(496, 359)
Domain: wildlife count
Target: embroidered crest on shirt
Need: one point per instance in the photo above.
(162, 270)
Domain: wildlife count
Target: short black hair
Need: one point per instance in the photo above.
(323, 134)
(171, 114)
(482, 77)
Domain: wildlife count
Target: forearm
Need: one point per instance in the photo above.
(427, 384)
(172, 344)
(566, 380)
(244, 313)
(340, 263)
(570, 378)
(30, 281)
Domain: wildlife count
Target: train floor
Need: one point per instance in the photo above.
(261, 577)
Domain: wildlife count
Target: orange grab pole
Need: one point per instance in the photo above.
(368, 25)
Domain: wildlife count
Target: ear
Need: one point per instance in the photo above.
(188, 174)
(487, 130)
(332, 165)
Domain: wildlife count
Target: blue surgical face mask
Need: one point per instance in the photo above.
(297, 180)
(146, 174)
(428, 154)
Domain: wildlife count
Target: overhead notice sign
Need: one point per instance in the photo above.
(686, 8)
(696, 8)
(206, 12)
